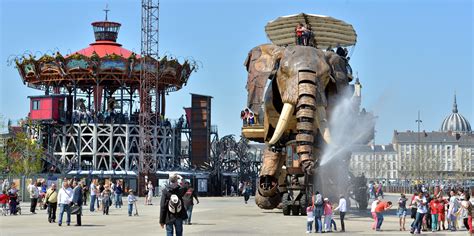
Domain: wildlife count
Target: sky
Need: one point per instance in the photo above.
(410, 55)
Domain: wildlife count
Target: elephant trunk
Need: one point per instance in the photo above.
(305, 116)
(267, 195)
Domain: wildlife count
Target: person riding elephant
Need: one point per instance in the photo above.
(304, 85)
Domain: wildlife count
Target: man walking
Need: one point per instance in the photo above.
(118, 195)
(93, 190)
(34, 194)
(77, 200)
(172, 211)
(342, 207)
(188, 200)
(422, 208)
(52, 202)
(64, 199)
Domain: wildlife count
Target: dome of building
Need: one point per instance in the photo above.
(455, 122)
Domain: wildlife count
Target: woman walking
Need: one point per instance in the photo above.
(402, 211)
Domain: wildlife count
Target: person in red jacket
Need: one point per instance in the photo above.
(4, 200)
(441, 212)
(434, 213)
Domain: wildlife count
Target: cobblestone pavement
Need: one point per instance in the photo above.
(213, 216)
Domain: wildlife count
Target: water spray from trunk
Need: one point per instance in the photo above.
(346, 129)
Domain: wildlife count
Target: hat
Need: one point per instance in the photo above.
(131, 191)
(326, 199)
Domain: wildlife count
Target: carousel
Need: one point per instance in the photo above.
(88, 118)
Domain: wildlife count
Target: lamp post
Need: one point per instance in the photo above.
(419, 142)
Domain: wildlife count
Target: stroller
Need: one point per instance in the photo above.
(14, 205)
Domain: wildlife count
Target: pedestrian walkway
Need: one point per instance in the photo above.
(212, 216)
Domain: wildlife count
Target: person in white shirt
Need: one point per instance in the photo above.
(372, 211)
(422, 209)
(131, 201)
(64, 201)
(34, 194)
(93, 190)
(342, 207)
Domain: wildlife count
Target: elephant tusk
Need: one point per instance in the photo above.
(326, 135)
(286, 113)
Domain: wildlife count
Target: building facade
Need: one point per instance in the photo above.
(447, 154)
(376, 162)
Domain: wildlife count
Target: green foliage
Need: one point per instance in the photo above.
(23, 155)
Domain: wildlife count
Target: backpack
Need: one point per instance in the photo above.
(175, 204)
(319, 200)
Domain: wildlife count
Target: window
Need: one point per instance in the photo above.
(36, 104)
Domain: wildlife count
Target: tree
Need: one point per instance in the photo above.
(23, 155)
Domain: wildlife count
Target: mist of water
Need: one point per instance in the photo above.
(346, 129)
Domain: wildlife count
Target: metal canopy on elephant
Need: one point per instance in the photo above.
(328, 31)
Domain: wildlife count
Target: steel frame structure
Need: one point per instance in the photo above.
(149, 92)
(108, 147)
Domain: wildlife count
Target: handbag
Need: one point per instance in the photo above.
(75, 209)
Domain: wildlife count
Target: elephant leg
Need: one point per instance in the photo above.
(305, 111)
(268, 196)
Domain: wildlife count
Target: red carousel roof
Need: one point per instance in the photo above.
(103, 48)
(106, 33)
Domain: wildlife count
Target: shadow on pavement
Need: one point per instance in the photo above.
(202, 224)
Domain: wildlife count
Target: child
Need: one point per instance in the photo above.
(131, 200)
(441, 212)
(4, 200)
(309, 223)
(327, 215)
(434, 214)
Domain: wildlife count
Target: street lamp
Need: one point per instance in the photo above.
(419, 142)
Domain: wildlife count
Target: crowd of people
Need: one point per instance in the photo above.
(321, 213)
(430, 211)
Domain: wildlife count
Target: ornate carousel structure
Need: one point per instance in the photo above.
(103, 108)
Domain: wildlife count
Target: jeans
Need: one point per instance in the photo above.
(106, 205)
(52, 211)
(416, 225)
(34, 201)
(327, 223)
(379, 219)
(309, 226)
(189, 211)
(118, 200)
(130, 209)
(91, 205)
(62, 208)
(453, 219)
(434, 222)
(342, 215)
(318, 224)
(178, 226)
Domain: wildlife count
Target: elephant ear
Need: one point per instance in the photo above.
(260, 63)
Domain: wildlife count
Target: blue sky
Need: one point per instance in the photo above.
(410, 55)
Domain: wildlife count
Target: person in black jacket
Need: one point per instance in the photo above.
(188, 200)
(77, 200)
(172, 200)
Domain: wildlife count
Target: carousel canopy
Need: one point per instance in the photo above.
(328, 31)
(104, 63)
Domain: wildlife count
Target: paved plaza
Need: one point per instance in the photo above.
(213, 216)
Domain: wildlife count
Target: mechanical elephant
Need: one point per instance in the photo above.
(292, 90)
